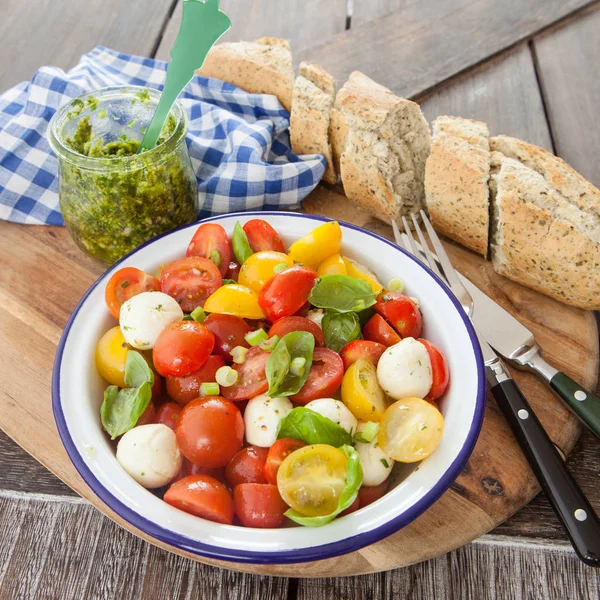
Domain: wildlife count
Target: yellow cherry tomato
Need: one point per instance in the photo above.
(355, 269)
(334, 265)
(410, 430)
(361, 391)
(312, 479)
(312, 249)
(258, 269)
(235, 299)
(111, 353)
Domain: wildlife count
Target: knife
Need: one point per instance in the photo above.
(515, 342)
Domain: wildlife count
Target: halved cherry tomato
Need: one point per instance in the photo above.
(334, 265)
(285, 293)
(233, 272)
(440, 373)
(203, 496)
(148, 416)
(190, 281)
(247, 466)
(229, 332)
(366, 349)
(125, 284)
(168, 414)
(187, 388)
(182, 348)
(259, 505)
(324, 379)
(286, 325)
(361, 391)
(318, 245)
(111, 354)
(211, 241)
(367, 494)
(259, 268)
(401, 312)
(235, 299)
(252, 379)
(355, 269)
(261, 236)
(352, 508)
(189, 468)
(379, 330)
(210, 431)
(277, 454)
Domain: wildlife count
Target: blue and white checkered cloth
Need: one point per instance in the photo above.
(238, 142)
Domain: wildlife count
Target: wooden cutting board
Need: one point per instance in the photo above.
(43, 275)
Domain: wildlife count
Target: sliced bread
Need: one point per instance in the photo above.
(260, 67)
(456, 181)
(540, 239)
(312, 101)
(383, 162)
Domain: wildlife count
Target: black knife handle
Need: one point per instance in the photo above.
(568, 501)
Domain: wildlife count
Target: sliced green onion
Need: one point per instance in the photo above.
(215, 257)
(187, 318)
(280, 267)
(297, 366)
(368, 434)
(226, 376)
(396, 285)
(238, 354)
(229, 281)
(254, 338)
(209, 389)
(198, 315)
(269, 343)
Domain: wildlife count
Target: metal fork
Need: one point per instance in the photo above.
(570, 504)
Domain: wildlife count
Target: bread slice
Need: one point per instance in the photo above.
(338, 136)
(388, 141)
(312, 101)
(456, 181)
(260, 67)
(564, 179)
(540, 239)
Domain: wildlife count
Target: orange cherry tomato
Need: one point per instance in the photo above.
(261, 236)
(211, 241)
(247, 466)
(125, 284)
(378, 330)
(440, 373)
(403, 314)
(366, 349)
(187, 388)
(286, 325)
(259, 505)
(277, 453)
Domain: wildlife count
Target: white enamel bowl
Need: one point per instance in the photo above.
(78, 389)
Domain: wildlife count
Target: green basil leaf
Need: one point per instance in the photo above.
(282, 382)
(339, 329)
(229, 281)
(342, 293)
(308, 426)
(354, 478)
(137, 370)
(240, 244)
(121, 410)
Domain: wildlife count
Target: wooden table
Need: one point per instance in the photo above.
(527, 68)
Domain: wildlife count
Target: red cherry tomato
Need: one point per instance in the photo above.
(401, 312)
(288, 324)
(187, 388)
(125, 284)
(211, 241)
(352, 508)
(439, 370)
(190, 281)
(303, 310)
(203, 496)
(229, 332)
(259, 505)
(368, 494)
(148, 416)
(182, 348)
(366, 349)
(277, 453)
(233, 272)
(210, 431)
(188, 468)
(261, 236)
(252, 379)
(324, 379)
(157, 389)
(168, 414)
(247, 466)
(378, 330)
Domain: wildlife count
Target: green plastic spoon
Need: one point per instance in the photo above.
(202, 25)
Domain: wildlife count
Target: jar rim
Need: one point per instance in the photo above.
(102, 163)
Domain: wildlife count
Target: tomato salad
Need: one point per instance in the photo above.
(254, 386)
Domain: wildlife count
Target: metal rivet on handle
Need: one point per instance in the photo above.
(580, 514)
(523, 414)
(580, 395)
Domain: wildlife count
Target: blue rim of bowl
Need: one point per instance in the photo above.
(298, 555)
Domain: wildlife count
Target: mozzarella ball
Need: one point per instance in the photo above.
(149, 453)
(375, 463)
(144, 317)
(262, 417)
(404, 370)
(336, 411)
(316, 316)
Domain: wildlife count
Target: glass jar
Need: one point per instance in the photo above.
(112, 199)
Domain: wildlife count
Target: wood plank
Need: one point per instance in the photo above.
(424, 43)
(305, 23)
(33, 34)
(568, 58)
